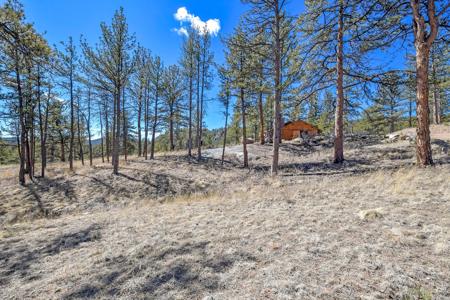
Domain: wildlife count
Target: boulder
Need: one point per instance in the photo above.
(371, 214)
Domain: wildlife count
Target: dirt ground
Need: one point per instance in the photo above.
(376, 227)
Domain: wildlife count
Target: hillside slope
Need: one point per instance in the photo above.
(375, 227)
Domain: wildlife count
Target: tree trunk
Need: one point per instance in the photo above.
(171, 141)
(101, 132)
(261, 119)
(244, 129)
(29, 164)
(277, 100)
(198, 134)
(113, 130)
(22, 127)
(80, 142)
(72, 120)
(125, 127)
(44, 129)
(424, 155)
(61, 138)
(89, 127)
(191, 91)
(41, 123)
(139, 117)
(147, 100)
(339, 115)
(423, 43)
(32, 141)
(107, 132)
(155, 122)
(225, 131)
(116, 142)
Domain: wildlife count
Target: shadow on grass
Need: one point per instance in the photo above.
(16, 258)
(186, 270)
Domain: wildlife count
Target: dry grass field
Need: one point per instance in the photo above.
(172, 228)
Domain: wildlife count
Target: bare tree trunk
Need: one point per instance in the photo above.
(339, 115)
(47, 112)
(198, 134)
(22, 127)
(225, 131)
(424, 156)
(146, 116)
(171, 141)
(116, 143)
(89, 127)
(277, 100)
(125, 127)
(423, 43)
(244, 129)
(155, 122)
(80, 142)
(32, 137)
(139, 117)
(107, 131)
(261, 119)
(62, 141)
(30, 131)
(191, 91)
(43, 124)
(101, 132)
(28, 157)
(32, 142)
(113, 130)
(72, 118)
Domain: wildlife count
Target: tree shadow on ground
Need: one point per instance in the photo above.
(47, 186)
(153, 183)
(60, 184)
(187, 270)
(324, 168)
(17, 257)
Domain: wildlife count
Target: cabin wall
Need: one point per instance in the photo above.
(293, 130)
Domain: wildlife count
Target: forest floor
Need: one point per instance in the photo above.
(375, 227)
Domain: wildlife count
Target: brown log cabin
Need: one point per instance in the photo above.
(295, 129)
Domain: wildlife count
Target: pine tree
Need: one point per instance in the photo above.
(156, 80)
(188, 63)
(225, 98)
(110, 65)
(172, 91)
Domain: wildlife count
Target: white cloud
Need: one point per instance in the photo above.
(182, 14)
(211, 27)
(181, 31)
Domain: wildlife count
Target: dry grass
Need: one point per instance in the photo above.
(375, 228)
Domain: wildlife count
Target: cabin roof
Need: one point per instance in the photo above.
(299, 122)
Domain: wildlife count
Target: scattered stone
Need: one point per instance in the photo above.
(371, 214)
